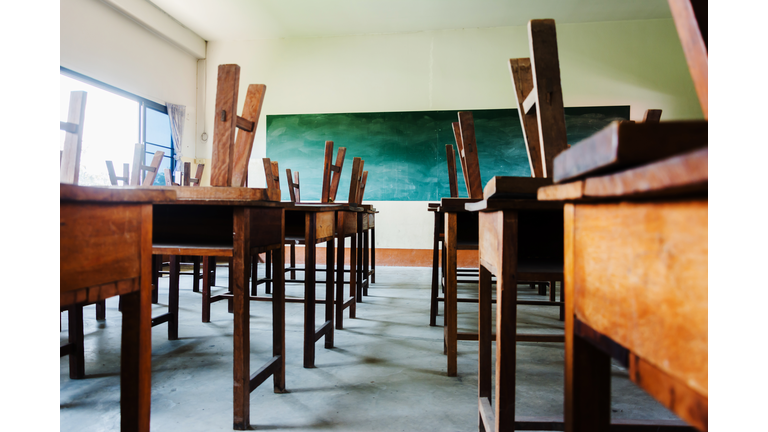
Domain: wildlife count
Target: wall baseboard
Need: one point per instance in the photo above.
(393, 257)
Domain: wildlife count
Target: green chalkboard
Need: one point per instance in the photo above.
(404, 152)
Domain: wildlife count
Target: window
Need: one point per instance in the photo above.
(115, 120)
(157, 136)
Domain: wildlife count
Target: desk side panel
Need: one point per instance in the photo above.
(99, 243)
(640, 278)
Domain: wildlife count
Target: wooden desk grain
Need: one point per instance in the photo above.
(106, 250)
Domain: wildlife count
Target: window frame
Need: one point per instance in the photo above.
(144, 104)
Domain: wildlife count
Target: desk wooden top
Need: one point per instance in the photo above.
(221, 195)
(68, 193)
(682, 175)
(311, 207)
(623, 145)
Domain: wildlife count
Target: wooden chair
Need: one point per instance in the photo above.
(231, 152)
(158, 264)
(331, 178)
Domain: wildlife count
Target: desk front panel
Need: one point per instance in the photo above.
(99, 243)
(640, 278)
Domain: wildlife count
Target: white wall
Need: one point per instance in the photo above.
(103, 44)
(639, 63)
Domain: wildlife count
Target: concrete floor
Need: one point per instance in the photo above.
(386, 373)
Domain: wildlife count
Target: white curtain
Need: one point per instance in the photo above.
(176, 113)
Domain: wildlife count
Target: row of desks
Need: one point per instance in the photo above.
(108, 237)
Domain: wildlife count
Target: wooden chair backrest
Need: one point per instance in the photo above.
(363, 181)
(690, 18)
(540, 98)
(229, 164)
(453, 183)
(331, 172)
(69, 158)
(293, 185)
(468, 154)
(169, 178)
(272, 174)
(355, 181)
(652, 116)
(144, 174)
(113, 178)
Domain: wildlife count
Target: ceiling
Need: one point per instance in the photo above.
(220, 20)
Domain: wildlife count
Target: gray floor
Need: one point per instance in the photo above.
(386, 372)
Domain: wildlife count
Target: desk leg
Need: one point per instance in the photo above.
(293, 260)
(353, 276)
(359, 258)
(136, 340)
(242, 306)
(173, 297)
(77, 355)
(278, 315)
(340, 282)
(435, 265)
(449, 305)
(373, 255)
(484, 360)
(506, 322)
(365, 279)
(309, 290)
(329, 294)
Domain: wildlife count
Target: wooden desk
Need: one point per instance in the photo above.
(520, 239)
(366, 250)
(106, 250)
(636, 282)
(238, 223)
(437, 240)
(314, 223)
(461, 233)
(347, 225)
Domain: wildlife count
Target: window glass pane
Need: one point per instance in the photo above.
(110, 130)
(165, 164)
(158, 128)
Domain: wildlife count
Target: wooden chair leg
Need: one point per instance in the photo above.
(268, 270)
(278, 319)
(196, 274)
(552, 291)
(157, 265)
(254, 275)
(293, 260)
(173, 297)
(77, 355)
(230, 280)
(208, 262)
(542, 289)
(366, 275)
(101, 310)
(373, 255)
(562, 299)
